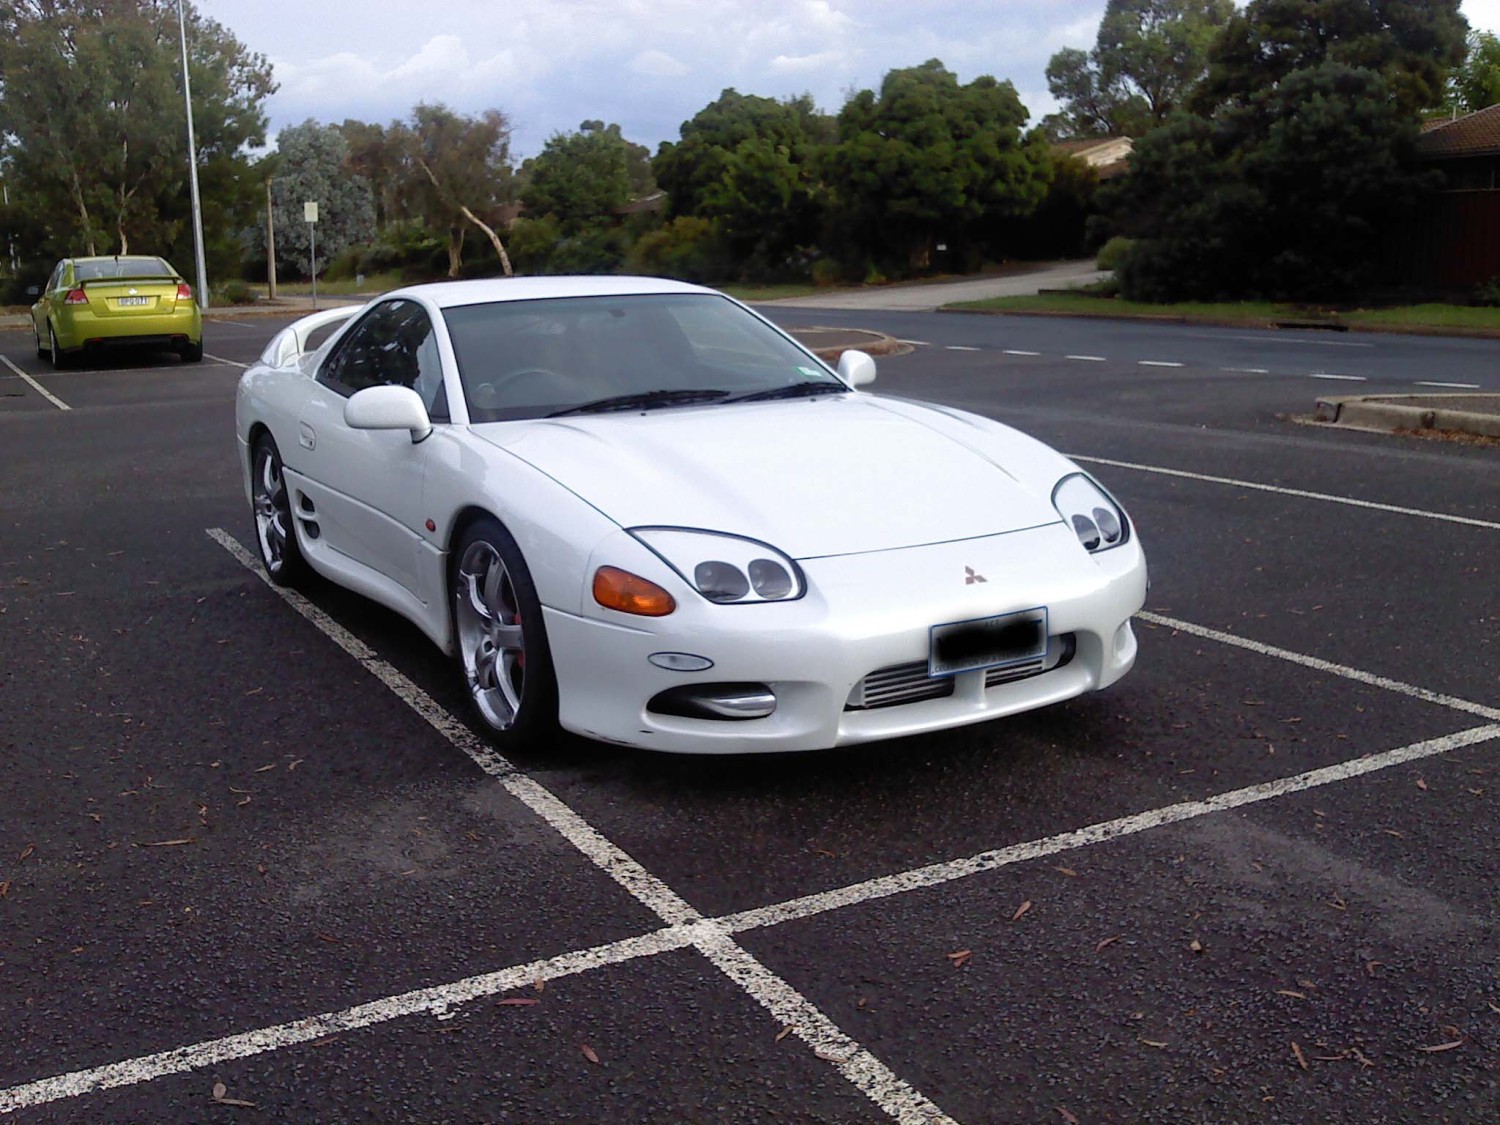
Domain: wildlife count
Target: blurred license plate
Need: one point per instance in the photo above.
(989, 642)
(132, 300)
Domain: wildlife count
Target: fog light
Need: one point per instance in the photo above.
(715, 701)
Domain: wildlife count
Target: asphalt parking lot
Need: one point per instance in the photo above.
(251, 852)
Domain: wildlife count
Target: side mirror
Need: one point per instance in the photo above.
(857, 368)
(388, 408)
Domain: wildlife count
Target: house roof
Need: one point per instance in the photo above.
(1474, 134)
(1107, 155)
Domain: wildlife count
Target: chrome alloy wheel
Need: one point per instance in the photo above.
(273, 511)
(491, 640)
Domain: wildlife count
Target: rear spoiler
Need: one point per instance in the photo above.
(164, 279)
(290, 344)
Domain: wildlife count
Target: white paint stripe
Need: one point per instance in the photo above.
(893, 1095)
(37, 387)
(1156, 363)
(1341, 378)
(1302, 493)
(959, 348)
(226, 362)
(915, 343)
(1247, 370)
(1086, 358)
(1409, 690)
(939, 873)
(1435, 383)
(1018, 351)
(438, 1001)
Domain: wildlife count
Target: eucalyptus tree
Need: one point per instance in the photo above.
(312, 166)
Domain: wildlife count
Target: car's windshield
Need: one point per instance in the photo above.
(526, 359)
(121, 267)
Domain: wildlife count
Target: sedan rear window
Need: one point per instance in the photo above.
(121, 267)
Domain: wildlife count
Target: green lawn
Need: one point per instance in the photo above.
(1408, 318)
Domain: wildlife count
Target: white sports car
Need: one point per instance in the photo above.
(636, 508)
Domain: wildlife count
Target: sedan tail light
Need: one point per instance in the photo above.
(76, 297)
(184, 291)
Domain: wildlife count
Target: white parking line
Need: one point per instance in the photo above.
(226, 362)
(1340, 378)
(1086, 358)
(1156, 363)
(37, 387)
(1456, 386)
(915, 343)
(1247, 370)
(1302, 493)
(959, 348)
(1018, 351)
(871, 1076)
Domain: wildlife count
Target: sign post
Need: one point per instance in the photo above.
(310, 214)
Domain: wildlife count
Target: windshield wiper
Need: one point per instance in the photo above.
(791, 390)
(642, 400)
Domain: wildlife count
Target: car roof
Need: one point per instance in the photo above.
(453, 294)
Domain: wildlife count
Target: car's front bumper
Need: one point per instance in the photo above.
(862, 614)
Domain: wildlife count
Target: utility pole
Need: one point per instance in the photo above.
(270, 243)
(187, 96)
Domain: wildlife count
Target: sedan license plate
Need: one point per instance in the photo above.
(988, 642)
(132, 300)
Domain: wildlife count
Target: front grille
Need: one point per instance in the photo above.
(900, 684)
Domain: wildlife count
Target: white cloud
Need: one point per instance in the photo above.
(658, 64)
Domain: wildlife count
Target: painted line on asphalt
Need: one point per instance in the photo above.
(226, 362)
(1086, 358)
(1156, 363)
(915, 343)
(37, 387)
(1411, 691)
(1018, 351)
(959, 348)
(938, 873)
(1247, 370)
(872, 1077)
(1456, 386)
(1395, 509)
(1340, 378)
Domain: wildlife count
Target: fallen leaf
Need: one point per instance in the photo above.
(1421, 784)
(168, 843)
(242, 804)
(518, 1002)
(1442, 1046)
(26, 851)
(829, 1056)
(1393, 832)
(1293, 995)
(783, 1033)
(1157, 1043)
(5, 889)
(1066, 1116)
(1359, 1057)
(1020, 910)
(960, 958)
(220, 1090)
(590, 1054)
(290, 766)
(1301, 1058)
(1493, 1006)
(329, 938)
(1107, 941)
(1071, 874)
(539, 984)
(1196, 946)
(255, 691)
(263, 769)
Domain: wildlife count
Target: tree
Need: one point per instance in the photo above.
(91, 112)
(375, 155)
(458, 170)
(582, 178)
(1148, 56)
(1475, 83)
(312, 166)
(926, 158)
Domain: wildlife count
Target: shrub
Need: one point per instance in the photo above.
(1113, 253)
(1487, 295)
(687, 248)
(236, 292)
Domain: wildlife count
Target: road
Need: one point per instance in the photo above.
(1256, 880)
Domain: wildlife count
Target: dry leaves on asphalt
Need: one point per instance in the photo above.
(960, 958)
(783, 1033)
(1066, 1116)
(1301, 1058)
(220, 1092)
(590, 1054)
(1436, 1047)
(1106, 942)
(1021, 910)
(168, 843)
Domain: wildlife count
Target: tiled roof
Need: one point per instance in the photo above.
(1078, 147)
(1474, 134)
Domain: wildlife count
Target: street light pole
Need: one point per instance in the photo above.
(187, 95)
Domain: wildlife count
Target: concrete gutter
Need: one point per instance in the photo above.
(830, 343)
(1476, 414)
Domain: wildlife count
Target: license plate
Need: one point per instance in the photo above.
(988, 642)
(132, 300)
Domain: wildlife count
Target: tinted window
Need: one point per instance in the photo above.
(393, 345)
(121, 267)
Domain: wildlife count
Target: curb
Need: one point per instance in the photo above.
(863, 339)
(1398, 412)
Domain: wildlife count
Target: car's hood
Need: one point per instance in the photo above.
(815, 477)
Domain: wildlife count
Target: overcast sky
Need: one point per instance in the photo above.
(648, 65)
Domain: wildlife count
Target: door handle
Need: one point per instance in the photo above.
(306, 437)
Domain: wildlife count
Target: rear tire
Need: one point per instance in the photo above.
(55, 353)
(41, 348)
(271, 506)
(191, 352)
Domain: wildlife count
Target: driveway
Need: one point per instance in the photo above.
(933, 295)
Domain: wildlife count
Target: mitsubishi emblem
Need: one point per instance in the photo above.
(972, 576)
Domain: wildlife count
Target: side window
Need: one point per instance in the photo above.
(393, 345)
(55, 281)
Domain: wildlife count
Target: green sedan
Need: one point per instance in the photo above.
(122, 300)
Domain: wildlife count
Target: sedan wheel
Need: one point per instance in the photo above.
(502, 643)
(272, 508)
(59, 359)
(41, 348)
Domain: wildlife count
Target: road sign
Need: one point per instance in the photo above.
(310, 212)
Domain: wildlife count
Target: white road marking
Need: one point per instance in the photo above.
(877, 1081)
(1018, 351)
(1400, 688)
(1268, 338)
(959, 348)
(37, 387)
(938, 873)
(226, 362)
(712, 937)
(1302, 493)
(1156, 363)
(1340, 378)
(1247, 370)
(1086, 358)
(1458, 386)
(915, 343)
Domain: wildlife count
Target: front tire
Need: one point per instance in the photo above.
(501, 638)
(271, 505)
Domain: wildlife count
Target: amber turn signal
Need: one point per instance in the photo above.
(629, 593)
